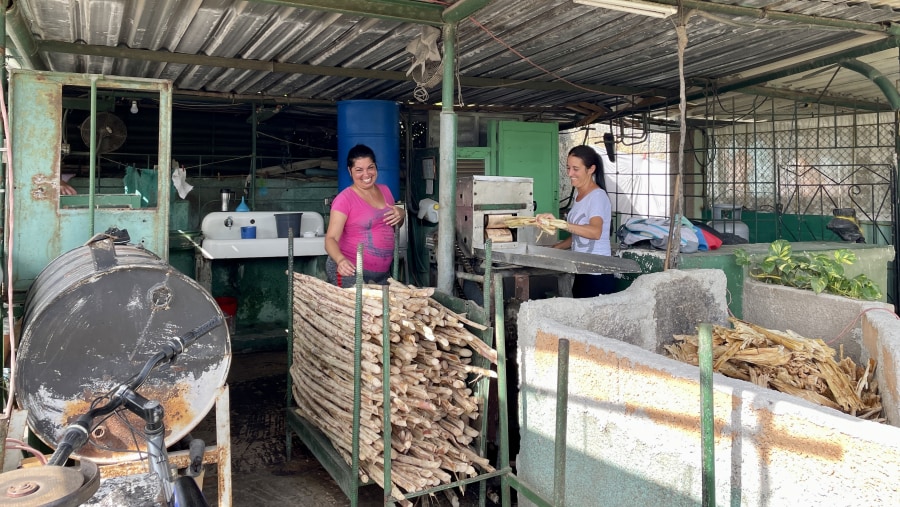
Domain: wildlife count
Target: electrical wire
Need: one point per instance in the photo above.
(10, 240)
(263, 134)
(15, 443)
(853, 323)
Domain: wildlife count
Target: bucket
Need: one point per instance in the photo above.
(284, 221)
(229, 306)
(92, 318)
(248, 232)
(376, 124)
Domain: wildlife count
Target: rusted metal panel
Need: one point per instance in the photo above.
(88, 329)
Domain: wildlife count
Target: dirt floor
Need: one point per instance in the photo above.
(261, 474)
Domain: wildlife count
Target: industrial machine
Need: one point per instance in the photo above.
(483, 205)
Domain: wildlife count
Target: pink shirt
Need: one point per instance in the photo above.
(365, 225)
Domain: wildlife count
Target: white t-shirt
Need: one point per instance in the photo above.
(595, 204)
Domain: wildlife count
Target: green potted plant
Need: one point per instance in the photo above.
(819, 272)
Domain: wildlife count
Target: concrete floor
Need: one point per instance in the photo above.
(261, 475)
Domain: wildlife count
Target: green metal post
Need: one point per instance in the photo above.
(3, 186)
(500, 346)
(447, 165)
(486, 287)
(252, 187)
(488, 260)
(386, 388)
(396, 270)
(707, 441)
(290, 337)
(92, 186)
(357, 374)
(562, 423)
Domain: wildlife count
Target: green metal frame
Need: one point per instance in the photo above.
(347, 477)
(45, 227)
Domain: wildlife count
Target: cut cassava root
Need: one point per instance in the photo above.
(432, 405)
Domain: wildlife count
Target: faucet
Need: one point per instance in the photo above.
(229, 222)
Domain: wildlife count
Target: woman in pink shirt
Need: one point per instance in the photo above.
(363, 213)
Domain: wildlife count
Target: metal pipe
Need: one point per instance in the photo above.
(92, 184)
(252, 196)
(22, 39)
(317, 70)
(408, 12)
(290, 342)
(895, 223)
(766, 13)
(472, 277)
(447, 172)
(707, 440)
(7, 279)
(357, 376)
(385, 388)
(562, 423)
(488, 269)
(527, 492)
(884, 84)
(462, 9)
(396, 267)
(500, 346)
(866, 49)
(742, 84)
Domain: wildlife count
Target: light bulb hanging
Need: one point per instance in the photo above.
(134, 108)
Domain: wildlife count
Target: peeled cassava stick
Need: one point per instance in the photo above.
(431, 407)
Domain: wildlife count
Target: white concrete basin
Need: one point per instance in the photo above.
(222, 235)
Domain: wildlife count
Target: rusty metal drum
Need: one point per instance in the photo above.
(92, 318)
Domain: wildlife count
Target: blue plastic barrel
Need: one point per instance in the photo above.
(375, 123)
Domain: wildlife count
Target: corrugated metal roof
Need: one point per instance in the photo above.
(546, 54)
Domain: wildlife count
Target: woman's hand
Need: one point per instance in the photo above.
(346, 268)
(394, 216)
(66, 189)
(544, 218)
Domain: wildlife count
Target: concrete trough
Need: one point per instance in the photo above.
(634, 415)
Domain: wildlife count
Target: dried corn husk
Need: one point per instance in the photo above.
(790, 363)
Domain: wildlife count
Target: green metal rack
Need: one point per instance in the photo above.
(347, 476)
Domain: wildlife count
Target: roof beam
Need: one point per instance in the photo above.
(815, 98)
(763, 13)
(318, 70)
(722, 87)
(397, 10)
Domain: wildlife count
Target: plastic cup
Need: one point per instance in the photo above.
(248, 232)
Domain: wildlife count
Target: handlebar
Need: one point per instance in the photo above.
(77, 433)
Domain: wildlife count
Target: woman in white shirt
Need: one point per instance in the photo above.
(588, 219)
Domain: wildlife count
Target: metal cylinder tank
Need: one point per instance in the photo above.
(92, 318)
(375, 123)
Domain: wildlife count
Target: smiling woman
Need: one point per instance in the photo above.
(363, 213)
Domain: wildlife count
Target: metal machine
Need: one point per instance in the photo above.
(484, 203)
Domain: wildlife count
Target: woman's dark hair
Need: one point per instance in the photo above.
(590, 158)
(357, 152)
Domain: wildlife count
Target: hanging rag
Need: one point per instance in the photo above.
(179, 179)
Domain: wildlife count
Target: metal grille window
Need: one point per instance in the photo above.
(808, 167)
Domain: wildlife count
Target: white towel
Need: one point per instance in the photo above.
(179, 178)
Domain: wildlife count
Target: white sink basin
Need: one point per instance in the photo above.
(222, 235)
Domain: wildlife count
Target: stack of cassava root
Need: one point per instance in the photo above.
(432, 403)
